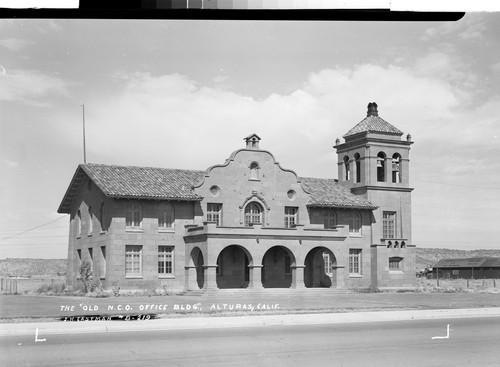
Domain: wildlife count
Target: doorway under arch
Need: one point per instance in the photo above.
(320, 270)
(232, 267)
(277, 267)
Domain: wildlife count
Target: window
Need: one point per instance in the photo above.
(102, 264)
(381, 167)
(166, 217)
(328, 264)
(165, 260)
(133, 260)
(101, 214)
(396, 164)
(214, 213)
(354, 223)
(254, 171)
(329, 220)
(395, 263)
(288, 264)
(389, 225)
(358, 167)
(79, 223)
(91, 221)
(347, 168)
(354, 261)
(290, 216)
(253, 214)
(134, 216)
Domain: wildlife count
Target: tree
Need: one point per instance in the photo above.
(86, 274)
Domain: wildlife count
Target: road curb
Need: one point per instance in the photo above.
(79, 327)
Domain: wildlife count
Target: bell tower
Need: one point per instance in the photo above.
(373, 162)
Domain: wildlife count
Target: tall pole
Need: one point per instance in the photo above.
(84, 151)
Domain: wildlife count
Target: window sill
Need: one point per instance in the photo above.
(79, 236)
(355, 235)
(103, 232)
(165, 230)
(136, 230)
(254, 179)
(166, 276)
(89, 235)
(396, 272)
(133, 276)
(355, 276)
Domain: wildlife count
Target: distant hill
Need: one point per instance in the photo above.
(32, 267)
(426, 257)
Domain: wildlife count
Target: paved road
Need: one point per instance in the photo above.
(471, 342)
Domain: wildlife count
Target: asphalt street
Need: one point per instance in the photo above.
(469, 342)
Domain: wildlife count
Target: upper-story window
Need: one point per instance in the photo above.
(91, 221)
(166, 217)
(254, 171)
(389, 225)
(396, 168)
(79, 223)
(291, 216)
(253, 214)
(329, 220)
(354, 223)
(357, 160)
(133, 216)
(381, 167)
(214, 213)
(347, 169)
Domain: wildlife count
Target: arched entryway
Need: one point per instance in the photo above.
(197, 277)
(277, 266)
(232, 268)
(320, 270)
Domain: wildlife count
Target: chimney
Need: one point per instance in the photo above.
(372, 109)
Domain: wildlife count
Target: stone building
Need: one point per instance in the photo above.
(250, 223)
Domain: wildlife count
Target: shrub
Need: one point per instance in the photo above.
(52, 289)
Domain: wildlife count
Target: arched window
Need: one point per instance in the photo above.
(101, 214)
(91, 221)
(79, 223)
(253, 214)
(347, 169)
(166, 217)
(354, 222)
(396, 168)
(381, 167)
(133, 217)
(254, 171)
(329, 220)
(357, 159)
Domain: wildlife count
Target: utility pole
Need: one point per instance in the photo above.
(84, 151)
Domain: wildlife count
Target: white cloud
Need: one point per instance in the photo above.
(30, 86)
(14, 44)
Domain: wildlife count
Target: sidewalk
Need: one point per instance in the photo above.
(42, 329)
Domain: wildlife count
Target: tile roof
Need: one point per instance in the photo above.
(129, 182)
(373, 124)
(329, 193)
(485, 262)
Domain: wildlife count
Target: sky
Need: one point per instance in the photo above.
(184, 94)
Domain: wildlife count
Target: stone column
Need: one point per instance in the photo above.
(388, 169)
(340, 270)
(210, 277)
(255, 277)
(190, 282)
(298, 277)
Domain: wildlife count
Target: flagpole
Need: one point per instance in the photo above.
(84, 151)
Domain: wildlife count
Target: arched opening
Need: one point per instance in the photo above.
(253, 214)
(232, 268)
(254, 171)
(197, 262)
(277, 267)
(320, 271)
(396, 168)
(357, 160)
(381, 167)
(347, 169)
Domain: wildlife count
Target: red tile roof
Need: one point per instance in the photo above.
(128, 182)
(373, 124)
